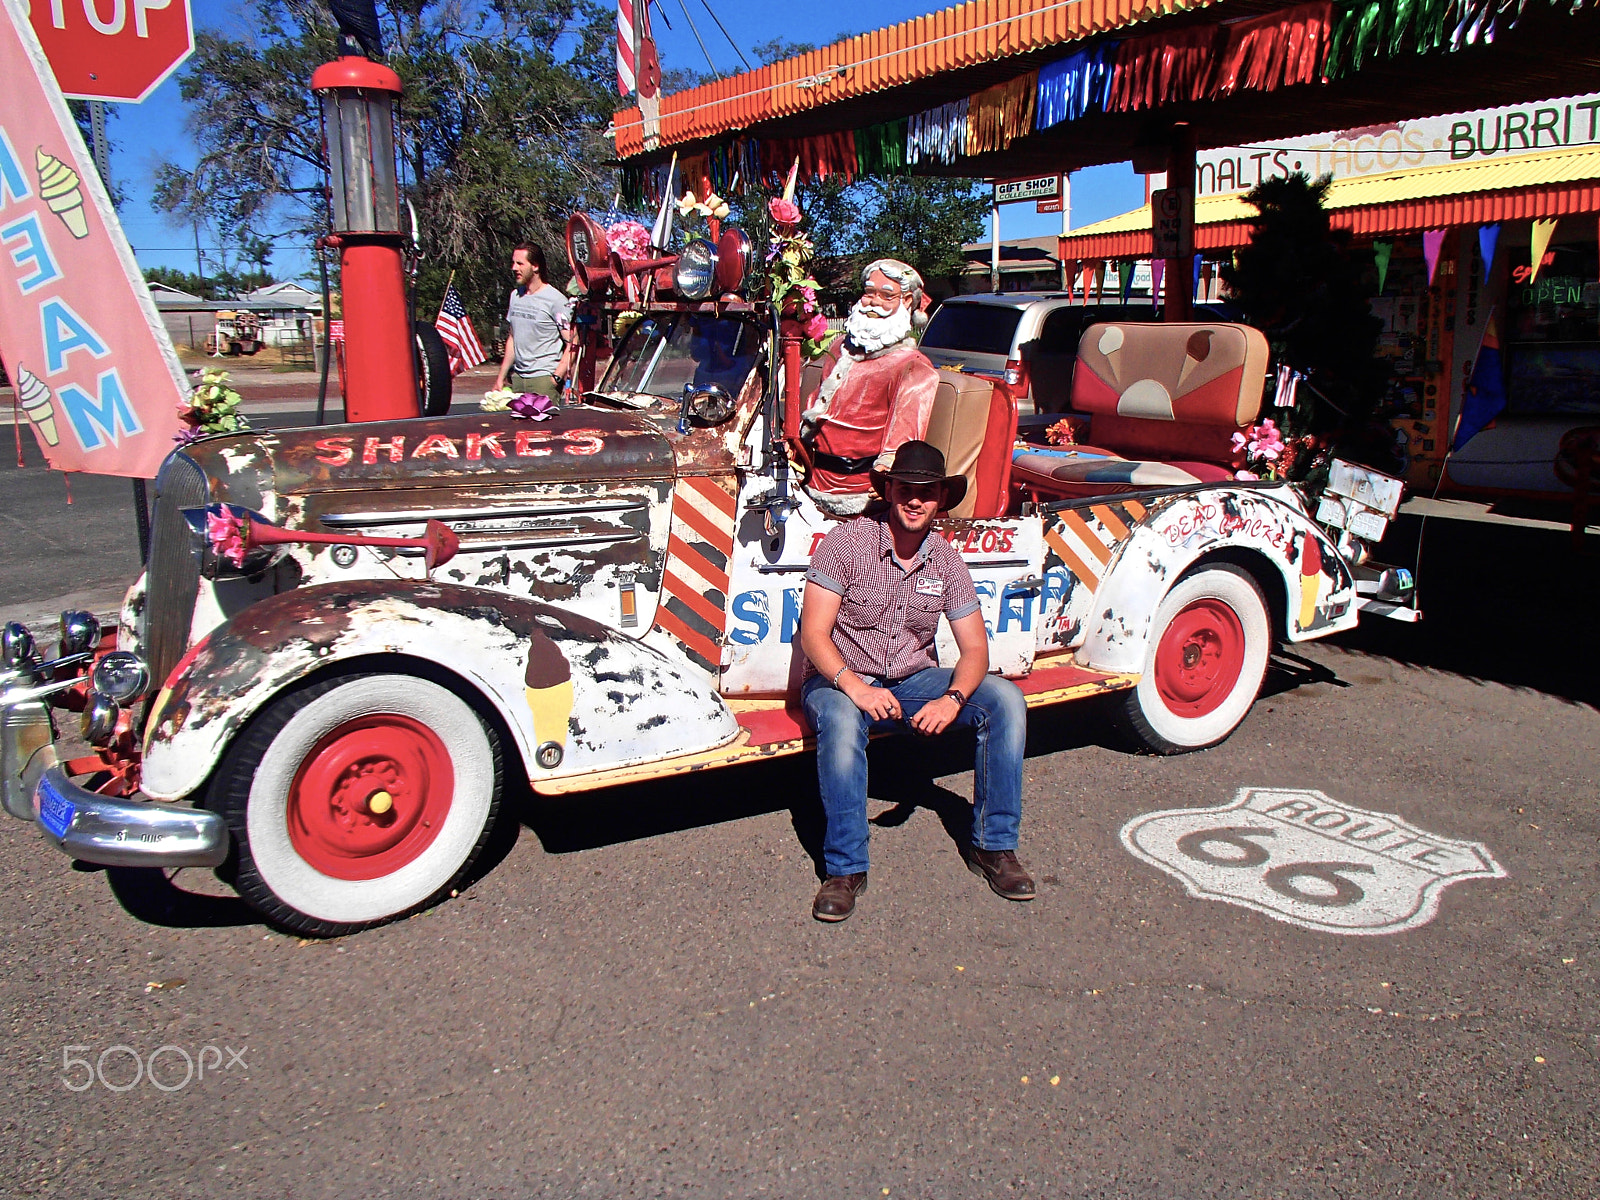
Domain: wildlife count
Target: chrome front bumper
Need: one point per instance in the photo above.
(91, 827)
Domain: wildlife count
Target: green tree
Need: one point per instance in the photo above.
(1301, 283)
(498, 137)
(224, 284)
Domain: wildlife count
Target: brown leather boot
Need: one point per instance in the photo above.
(1007, 877)
(836, 898)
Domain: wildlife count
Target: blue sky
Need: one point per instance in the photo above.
(145, 134)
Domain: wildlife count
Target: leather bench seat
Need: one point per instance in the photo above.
(1164, 400)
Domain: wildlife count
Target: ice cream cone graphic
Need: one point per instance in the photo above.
(34, 396)
(1310, 580)
(1195, 352)
(58, 187)
(1110, 344)
(547, 686)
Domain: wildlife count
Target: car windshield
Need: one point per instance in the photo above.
(973, 328)
(665, 352)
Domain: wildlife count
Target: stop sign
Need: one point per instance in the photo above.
(112, 49)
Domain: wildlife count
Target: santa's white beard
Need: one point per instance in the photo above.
(872, 333)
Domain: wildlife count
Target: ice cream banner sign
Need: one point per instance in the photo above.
(95, 373)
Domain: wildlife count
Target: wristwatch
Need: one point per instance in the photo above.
(961, 700)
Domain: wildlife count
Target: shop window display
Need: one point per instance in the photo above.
(1554, 359)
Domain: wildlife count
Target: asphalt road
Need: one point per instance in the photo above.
(632, 1000)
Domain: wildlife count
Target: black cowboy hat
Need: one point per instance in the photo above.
(919, 462)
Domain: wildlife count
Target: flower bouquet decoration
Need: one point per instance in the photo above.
(628, 238)
(1262, 452)
(712, 207)
(213, 407)
(525, 405)
(789, 274)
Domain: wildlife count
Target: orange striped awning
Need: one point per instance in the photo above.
(967, 35)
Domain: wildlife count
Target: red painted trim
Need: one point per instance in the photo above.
(684, 590)
(696, 562)
(708, 489)
(696, 520)
(670, 623)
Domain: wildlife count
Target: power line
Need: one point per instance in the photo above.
(727, 35)
(683, 5)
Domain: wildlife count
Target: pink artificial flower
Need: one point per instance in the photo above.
(1239, 442)
(229, 535)
(1245, 475)
(810, 294)
(816, 328)
(629, 239)
(784, 212)
(532, 406)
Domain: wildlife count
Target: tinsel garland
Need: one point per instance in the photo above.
(999, 115)
(881, 149)
(820, 156)
(1075, 86)
(1164, 68)
(938, 135)
(1278, 50)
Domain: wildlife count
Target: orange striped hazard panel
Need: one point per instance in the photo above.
(694, 589)
(1083, 539)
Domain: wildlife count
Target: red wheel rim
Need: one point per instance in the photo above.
(1199, 658)
(370, 797)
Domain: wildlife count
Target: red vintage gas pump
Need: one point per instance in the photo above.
(358, 98)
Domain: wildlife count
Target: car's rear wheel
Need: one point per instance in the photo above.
(356, 800)
(1203, 670)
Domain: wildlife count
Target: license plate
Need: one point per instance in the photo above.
(56, 813)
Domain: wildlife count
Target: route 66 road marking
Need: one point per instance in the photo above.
(1300, 856)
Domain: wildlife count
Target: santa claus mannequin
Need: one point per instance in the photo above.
(876, 394)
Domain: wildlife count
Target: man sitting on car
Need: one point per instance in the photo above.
(877, 392)
(874, 595)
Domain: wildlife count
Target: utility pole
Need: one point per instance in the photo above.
(101, 150)
(994, 241)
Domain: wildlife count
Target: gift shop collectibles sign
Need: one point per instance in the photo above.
(94, 371)
(1309, 860)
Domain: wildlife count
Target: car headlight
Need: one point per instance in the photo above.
(120, 675)
(696, 272)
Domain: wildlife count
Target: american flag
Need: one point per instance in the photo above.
(626, 41)
(455, 328)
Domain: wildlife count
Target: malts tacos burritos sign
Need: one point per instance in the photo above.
(1487, 133)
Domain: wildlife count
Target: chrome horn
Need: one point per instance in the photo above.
(80, 633)
(16, 646)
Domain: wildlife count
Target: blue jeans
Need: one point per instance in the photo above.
(996, 711)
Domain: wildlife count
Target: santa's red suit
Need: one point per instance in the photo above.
(864, 407)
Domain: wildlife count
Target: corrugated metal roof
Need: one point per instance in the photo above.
(920, 64)
(1543, 184)
(967, 35)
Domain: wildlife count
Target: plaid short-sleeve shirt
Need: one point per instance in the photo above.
(888, 615)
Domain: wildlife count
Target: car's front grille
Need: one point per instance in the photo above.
(173, 574)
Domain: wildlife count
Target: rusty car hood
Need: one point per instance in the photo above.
(574, 445)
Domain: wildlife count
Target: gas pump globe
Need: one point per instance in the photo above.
(358, 98)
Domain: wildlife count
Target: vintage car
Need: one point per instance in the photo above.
(325, 700)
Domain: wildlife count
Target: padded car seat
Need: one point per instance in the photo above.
(974, 423)
(1165, 400)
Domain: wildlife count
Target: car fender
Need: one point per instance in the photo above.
(1245, 525)
(555, 678)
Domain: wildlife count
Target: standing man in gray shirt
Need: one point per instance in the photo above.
(538, 355)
